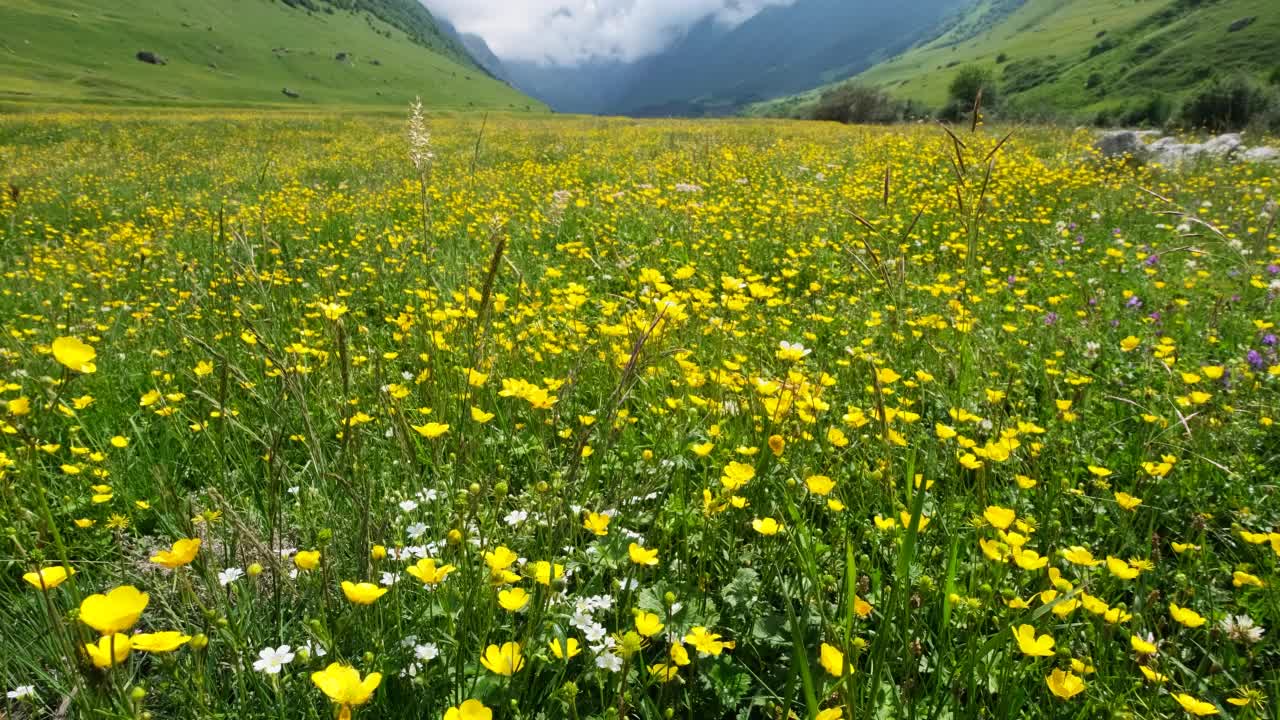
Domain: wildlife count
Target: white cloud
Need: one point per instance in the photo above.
(569, 32)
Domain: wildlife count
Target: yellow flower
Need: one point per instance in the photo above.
(504, 660)
(707, 642)
(570, 648)
(159, 642)
(1064, 684)
(1099, 471)
(362, 593)
(884, 524)
(1031, 645)
(19, 406)
(735, 475)
(1121, 569)
(513, 599)
(648, 624)
(886, 376)
(999, 517)
(777, 444)
(905, 518)
(1152, 675)
(344, 686)
(642, 556)
(1141, 645)
(1186, 616)
(944, 432)
(75, 354)
(333, 310)
(50, 577)
(500, 558)
(702, 449)
(597, 523)
(307, 559)
(481, 417)
(664, 672)
(469, 710)
(114, 612)
(110, 650)
(1240, 579)
(1077, 555)
(1029, 559)
(1195, 706)
(426, 571)
(766, 526)
(834, 713)
(831, 659)
(183, 552)
(1130, 343)
(431, 430)
(544, 573)
(1127, 501)
(819, 484)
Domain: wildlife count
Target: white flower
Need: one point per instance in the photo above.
(594, 632)
(428, 495)
(416, 530)
(294, 490)
(272, 660)
(609, 661)
(1241, 628)
(22, 691)
(627, 584)
(515, 517)
(408, 506)
(230, 575)
(389, 578)
(314, 649)
(426, 652)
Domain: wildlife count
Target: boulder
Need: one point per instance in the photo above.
(1261, 155)
(290, 93)
(1241, 24)
(151, 58)
(1223, 145)
(1120, 143)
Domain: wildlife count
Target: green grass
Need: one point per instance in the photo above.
(239, 53)
(1046, 46)
(1007, 348)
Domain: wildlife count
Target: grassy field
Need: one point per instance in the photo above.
(234, 53)
(1081, 56)
(597, 418)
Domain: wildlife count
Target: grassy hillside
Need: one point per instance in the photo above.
(1084, 56)
(237, 53)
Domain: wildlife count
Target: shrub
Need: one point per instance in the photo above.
(857, 103)
(1154, 112)
(1227, 104)
(969, 81)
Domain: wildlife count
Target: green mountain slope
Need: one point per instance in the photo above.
(1081, 57)
(239, 53)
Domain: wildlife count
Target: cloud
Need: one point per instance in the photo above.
(570, 32)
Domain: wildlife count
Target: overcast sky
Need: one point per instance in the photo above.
(567, 32)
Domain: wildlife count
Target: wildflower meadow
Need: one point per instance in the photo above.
(499, 417)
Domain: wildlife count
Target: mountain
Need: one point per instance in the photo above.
(1085, 58)
(476, 49)
(713, 69)
(240, 53)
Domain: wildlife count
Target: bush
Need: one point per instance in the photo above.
(857, 103)
(968, 81)
(1227, 104)
(1275, 77)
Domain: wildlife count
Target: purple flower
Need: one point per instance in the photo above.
(1134, 302)
(1256, 361)
(1273, 268)
(1051, 318)
(1269, 340)
(1151, 260)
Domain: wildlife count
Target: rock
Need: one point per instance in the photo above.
(151, 58)
(1223, 145)
(1261, 155)
(290, 93)
(1241, 24)
(1120, 143)
(341, 57)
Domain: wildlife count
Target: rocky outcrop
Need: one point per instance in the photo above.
(1171, 151)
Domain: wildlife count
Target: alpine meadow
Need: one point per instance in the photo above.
(353, 405)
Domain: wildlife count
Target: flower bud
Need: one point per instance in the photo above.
(255, 569)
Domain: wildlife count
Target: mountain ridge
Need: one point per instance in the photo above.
(240, 53)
